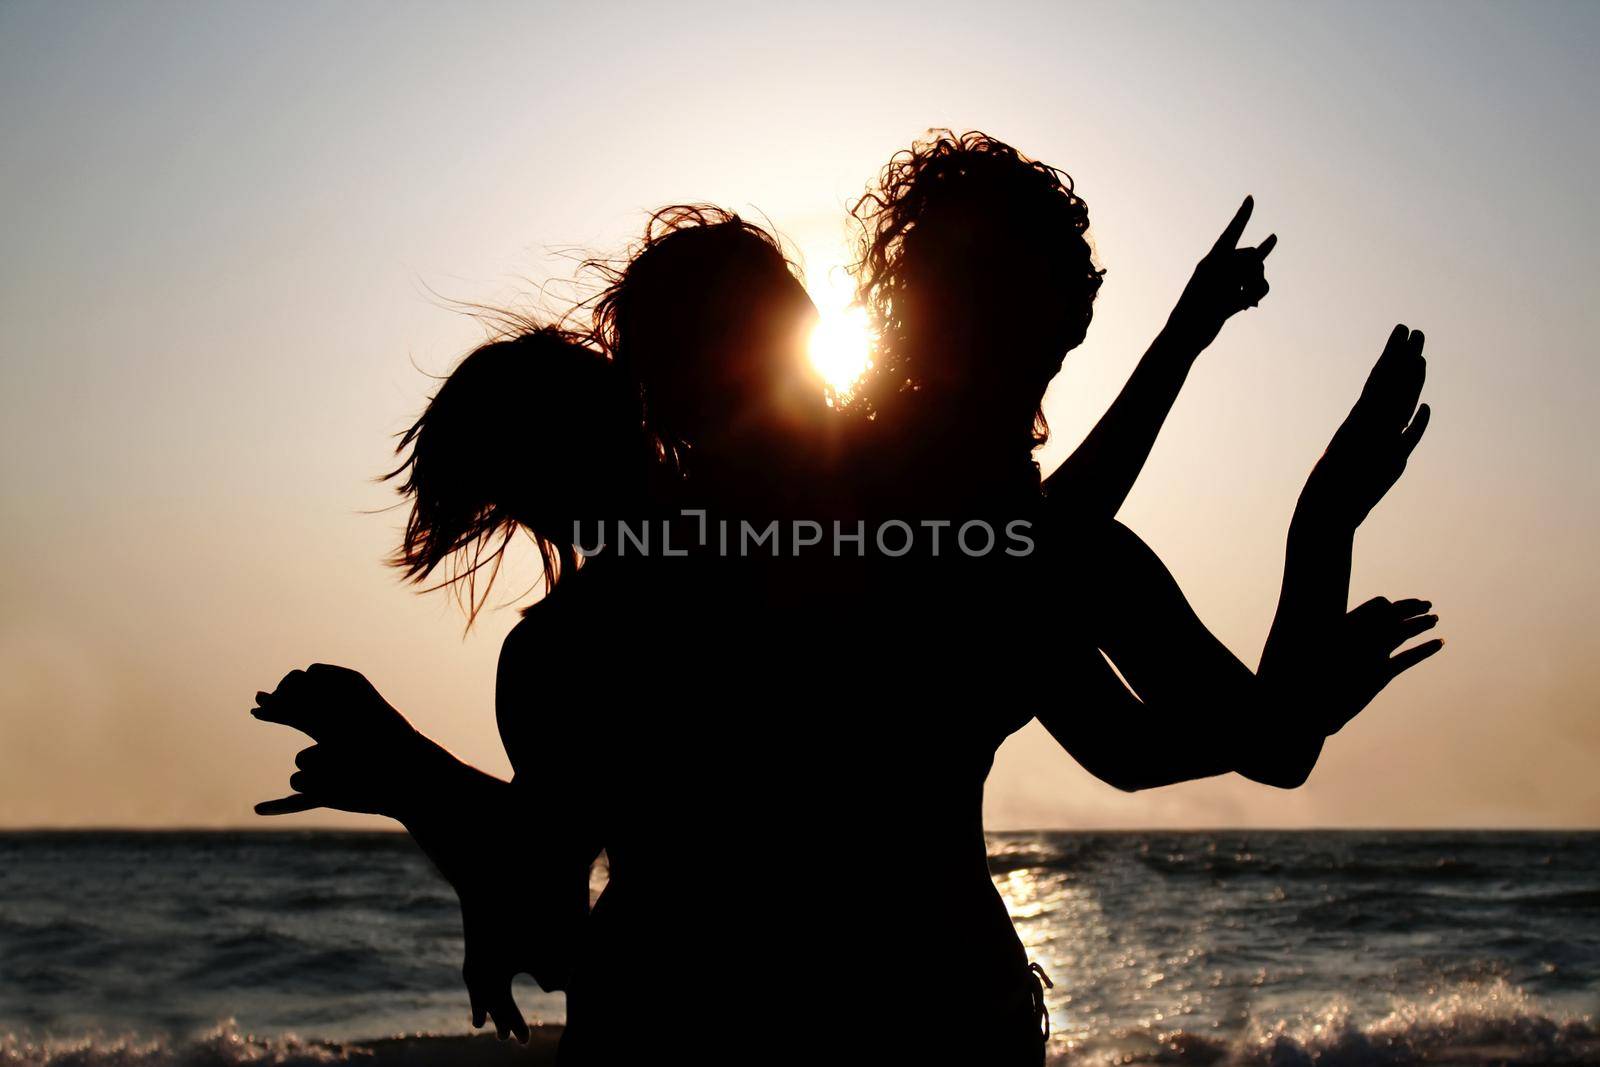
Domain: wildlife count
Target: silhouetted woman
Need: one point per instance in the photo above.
(709, 318)
(977, 266)
(706, 324)
(538, 434)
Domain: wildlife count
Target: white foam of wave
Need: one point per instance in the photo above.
(224, 1046)
(221, 1046)
(1481, 1024)
(1470, 1025)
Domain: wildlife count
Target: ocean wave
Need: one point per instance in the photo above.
(434, 901)
(48, 934)
(1471, 1026)
(1568, 900)
(225, 1046)
(1495, 1023)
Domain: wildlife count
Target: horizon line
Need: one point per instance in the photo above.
(402, 832)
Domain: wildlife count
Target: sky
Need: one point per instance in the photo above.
(232, 233)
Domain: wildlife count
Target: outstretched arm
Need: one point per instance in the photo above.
(1366, 457)
(1173, 719)
(522, 906)
(1097, 477)
(368, 758)
(1194, 709)
(1190, 709)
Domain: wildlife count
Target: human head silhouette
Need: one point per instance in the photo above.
(975, 263)
(708, 317)
(536, 432)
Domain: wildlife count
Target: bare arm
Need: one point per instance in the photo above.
(1194, 709)
(1366, 457)
(1123, 741)
(1190, 708)
(1096, 479)
(523, 900)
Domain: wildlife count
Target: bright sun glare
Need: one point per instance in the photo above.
(841, 343)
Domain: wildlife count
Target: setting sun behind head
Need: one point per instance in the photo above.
(840, 347)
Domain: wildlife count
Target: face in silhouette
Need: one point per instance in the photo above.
(711, 322)
(977, 266)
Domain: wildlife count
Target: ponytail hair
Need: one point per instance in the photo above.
(536, 431)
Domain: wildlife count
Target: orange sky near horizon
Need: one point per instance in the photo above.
(229, 228)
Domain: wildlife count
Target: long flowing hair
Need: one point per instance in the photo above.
(494, 450)
(521, 435)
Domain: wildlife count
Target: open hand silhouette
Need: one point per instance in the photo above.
(1339, 664)
(1363, 654)
(1369, 451)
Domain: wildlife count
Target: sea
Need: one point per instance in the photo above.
(1213, 948)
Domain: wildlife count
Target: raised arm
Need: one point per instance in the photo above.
(1194, 710)
(1097, 477)
(1366, 457)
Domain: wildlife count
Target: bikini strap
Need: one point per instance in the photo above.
(1041, 982)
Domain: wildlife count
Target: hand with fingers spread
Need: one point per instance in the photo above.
(1362, 660)
(1330, 660)
(366, 753)
(1228, 280)
(1369, 452)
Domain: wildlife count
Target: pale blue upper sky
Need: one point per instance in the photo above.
(224, 224)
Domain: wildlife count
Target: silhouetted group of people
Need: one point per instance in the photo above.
(785, 628)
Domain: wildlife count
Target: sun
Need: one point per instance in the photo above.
(840, 346)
